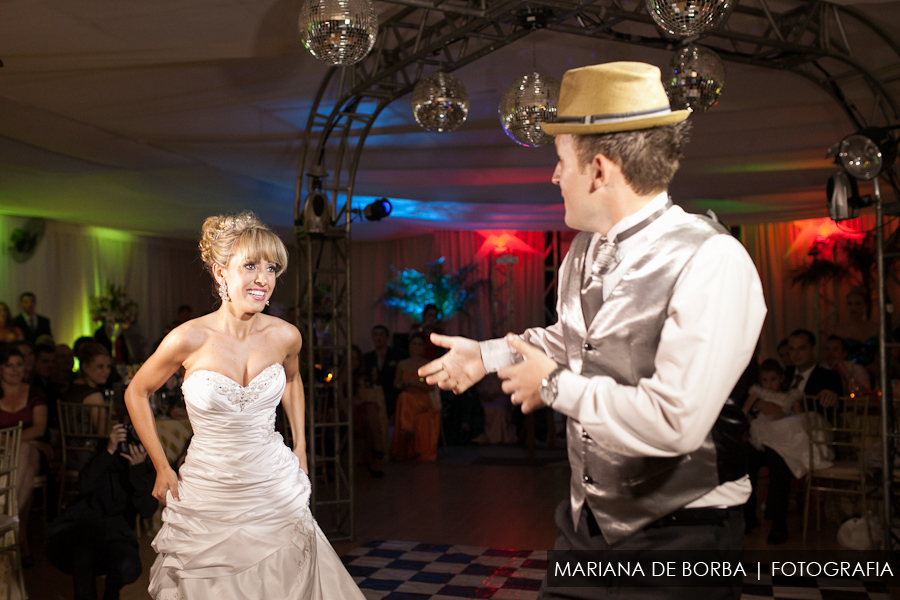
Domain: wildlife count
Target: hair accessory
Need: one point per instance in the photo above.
(612, 97)
(223, 292)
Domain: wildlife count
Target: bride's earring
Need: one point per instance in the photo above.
(267, 302)
(223, 292)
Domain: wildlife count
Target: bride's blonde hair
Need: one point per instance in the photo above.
(225, 236)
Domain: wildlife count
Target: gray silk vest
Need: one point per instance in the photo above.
(626, 493)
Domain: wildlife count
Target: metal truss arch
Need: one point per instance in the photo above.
(818, 40)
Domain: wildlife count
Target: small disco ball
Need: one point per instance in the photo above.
(528, 102)
(688, 17)
(440, 102)
(338, 32)
(695, 79)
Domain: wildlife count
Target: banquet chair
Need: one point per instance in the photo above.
(10, 439)
(82, 428)
(838, 436)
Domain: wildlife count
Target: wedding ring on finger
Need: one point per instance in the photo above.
(512, 397)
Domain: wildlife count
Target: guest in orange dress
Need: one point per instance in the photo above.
(8, 330)
(417, 419)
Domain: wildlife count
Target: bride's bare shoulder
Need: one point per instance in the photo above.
(283, 330)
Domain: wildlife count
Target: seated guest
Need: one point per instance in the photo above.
(853, 375)
(381, 363)
(104, 336)
(21, 402)
(44, 371)
(27, 350)
(860, 335)
(811, 380)
(417, 420)
(32, 324)
(8, 330)
(430, 324)
(95, 535)
(367, 413)
(784, 353)
(64, 373)
(498, 425)
(95, 365)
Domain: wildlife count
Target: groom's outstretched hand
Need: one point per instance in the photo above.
(459, 369)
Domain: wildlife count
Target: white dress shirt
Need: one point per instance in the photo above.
(703, 350)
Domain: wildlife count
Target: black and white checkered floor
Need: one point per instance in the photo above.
(394, 570)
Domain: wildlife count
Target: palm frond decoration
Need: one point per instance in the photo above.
(410, 291)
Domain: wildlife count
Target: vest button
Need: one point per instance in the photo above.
(587, 479)
(588, 347)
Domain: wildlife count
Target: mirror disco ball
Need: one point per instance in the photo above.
(695, 79)
(526, 103)
(338, 32)
(440, 102)
(688, 17)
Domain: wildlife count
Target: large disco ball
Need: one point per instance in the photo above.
(440, 102)
(695, 79)
(338, 32)
(528, 102)
(688, 17)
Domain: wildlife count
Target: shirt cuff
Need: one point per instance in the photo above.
(496, 354)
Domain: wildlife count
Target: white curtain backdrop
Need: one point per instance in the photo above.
(73, 263)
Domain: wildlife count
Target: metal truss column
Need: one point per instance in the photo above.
(325, 324)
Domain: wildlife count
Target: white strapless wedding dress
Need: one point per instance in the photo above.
(242, 529)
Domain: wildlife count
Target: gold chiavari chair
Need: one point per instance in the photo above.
(10, 439)
(82, 428)
(838, 436)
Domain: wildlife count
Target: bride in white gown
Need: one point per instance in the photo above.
(237, 524)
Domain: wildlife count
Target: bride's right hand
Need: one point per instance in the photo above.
(166, 481)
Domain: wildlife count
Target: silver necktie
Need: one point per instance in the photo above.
(592, 290)
(604, 252)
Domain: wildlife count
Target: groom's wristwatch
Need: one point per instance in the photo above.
(550, 386)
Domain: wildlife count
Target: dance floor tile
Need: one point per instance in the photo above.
(514, 594)
(426, 577)
(409, 565)
(796, 593)
(445, 567)
(419, 587)
(371, 561)
(488, 570)
(522, 583)
(476, 581)
(423, 555)
(383, 585)
(393, 574)
(465, 591)
(398, 595)
(360, 571)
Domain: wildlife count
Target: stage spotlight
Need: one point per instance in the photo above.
(317, 213)
(378, 210)
(843, 197)
(867, 153)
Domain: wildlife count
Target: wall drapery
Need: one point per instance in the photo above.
(779, 250)
(74, 262)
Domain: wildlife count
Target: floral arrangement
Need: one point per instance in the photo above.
(114, 306)
(410, 291)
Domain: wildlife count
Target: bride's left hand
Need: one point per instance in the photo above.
(301, 455)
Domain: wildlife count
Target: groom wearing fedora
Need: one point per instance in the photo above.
(659, 313)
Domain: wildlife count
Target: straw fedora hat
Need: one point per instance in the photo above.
(616, 96)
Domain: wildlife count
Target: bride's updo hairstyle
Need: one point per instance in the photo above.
(225, 236)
